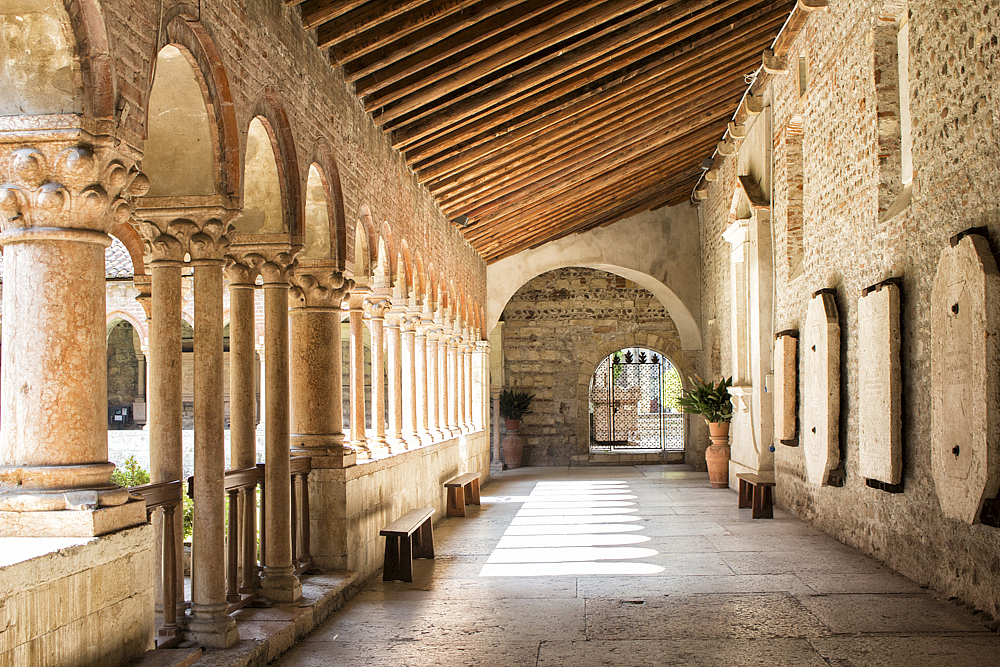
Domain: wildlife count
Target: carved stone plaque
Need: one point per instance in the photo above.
(786, 378)
(965, 434)
(880, 400)
(821, 389)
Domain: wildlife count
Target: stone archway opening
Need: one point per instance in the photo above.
(634, 405)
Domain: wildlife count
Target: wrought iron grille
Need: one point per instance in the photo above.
(633, 403)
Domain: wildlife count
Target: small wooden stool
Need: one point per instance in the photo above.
(457, 496)
(408, 537)
(755, 492)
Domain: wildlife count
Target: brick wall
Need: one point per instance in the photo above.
(557, 328)
(953, 84)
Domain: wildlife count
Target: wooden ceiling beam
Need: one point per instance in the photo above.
(456, 154)
(384, 24)
(626, 180)
(458, 116)
(620, 168)
(613, 48)
(631, 111)
(377, 52)
(315, 12)
(591, 147)
(609, 200)
(478, 63)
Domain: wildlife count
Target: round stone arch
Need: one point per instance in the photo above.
(115, 316)
(589, 363)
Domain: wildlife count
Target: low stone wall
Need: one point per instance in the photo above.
(349, 506)
(79, 601)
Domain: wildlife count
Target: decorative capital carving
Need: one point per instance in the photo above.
(270, 255)
(75, 183)
(377, 305)
(144, 284)
(172, 227)
(316, 286)
(483, 346)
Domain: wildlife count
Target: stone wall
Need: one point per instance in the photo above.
(79, 602)
(837, 131)
(349, 506)
(557, 328)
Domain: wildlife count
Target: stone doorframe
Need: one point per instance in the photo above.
(588, 365)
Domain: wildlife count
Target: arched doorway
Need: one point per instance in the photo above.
(633, 403)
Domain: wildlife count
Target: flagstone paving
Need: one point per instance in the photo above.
(636, 567)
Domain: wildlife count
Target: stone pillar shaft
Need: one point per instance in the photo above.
(409, 386)
(394, 366)
(420, 375)
(357, 327)
(443, 390)
(242, 385)
(433, 413)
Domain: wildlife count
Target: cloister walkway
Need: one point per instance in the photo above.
(631, 566)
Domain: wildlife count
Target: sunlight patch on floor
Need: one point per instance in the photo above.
(574, 529)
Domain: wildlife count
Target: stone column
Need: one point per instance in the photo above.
(467, 384)
(279, 583)
(261, 387)
(453, 418)
(359, 441)
(497, 463)
(480, 382)
(394, 366)
(420, 374)
(433, 404)
(209, 624)
(377, 306)
(444, 390)
(57, 200)
(242, 272)
(410, 380)
(144, 284)
(317, 418)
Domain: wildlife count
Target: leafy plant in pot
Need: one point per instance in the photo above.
(514, 404)
(712, 401)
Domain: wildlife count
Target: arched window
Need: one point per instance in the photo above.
(633, 403)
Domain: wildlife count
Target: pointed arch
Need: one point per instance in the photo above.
(325, 161)
(361, 255)
(270, 112)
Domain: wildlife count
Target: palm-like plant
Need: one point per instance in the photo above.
(708, 399)
(514, 403)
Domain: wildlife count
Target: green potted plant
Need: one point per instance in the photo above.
(712, 401)
(514, 404)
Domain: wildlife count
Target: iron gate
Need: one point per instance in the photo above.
(633, 403)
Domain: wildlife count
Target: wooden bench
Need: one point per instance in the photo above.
(755, 492)
(408, 537)
(458, 498)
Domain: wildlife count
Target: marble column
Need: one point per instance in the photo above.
(394, 367)
(279, 583)
(433, 402)
(444, 391)
(242, 272)
(359, 440)
(480, 383)
(377, 306)
(209, 623)
(467, 384)
(57, 200)
(420, 375)
(261, 387)
(143, 282)
(317, 417)
(453, 422)
(496, 464)
(409, 324)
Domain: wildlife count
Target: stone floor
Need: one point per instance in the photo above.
(641, 566)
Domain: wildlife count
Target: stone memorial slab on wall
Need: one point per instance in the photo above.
(965, 323)
(821, 389)
(880, 400)
(786, 378)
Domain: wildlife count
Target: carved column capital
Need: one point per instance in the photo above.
(144, 284)
(483, 346)
(67, 182)
(318, 286)
(356, 298)
(272, 255)
(377, 305)
(172, 227)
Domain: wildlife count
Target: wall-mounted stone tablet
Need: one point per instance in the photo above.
(786, 379)
(821, 389)
(880, 392)
(965, 323)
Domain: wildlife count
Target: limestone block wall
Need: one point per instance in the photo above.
(88, 601)
(827, 142)
(557, 328)
(349, 506)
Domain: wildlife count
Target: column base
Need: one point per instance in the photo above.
(280, 585)
(73, 523)
(360, 448)
(217, 630)
(379, 448)
(328, 457)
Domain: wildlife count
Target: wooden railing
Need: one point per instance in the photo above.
(166, 497)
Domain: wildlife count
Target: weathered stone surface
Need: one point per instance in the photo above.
(880, 445)
(786, 377)
(86, 604)
(821, 387)
(965, 361)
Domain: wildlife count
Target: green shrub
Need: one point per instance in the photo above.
(514, 403)
(130, 474)
(709, 399)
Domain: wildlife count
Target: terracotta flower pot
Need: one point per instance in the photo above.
(513, 444)
(717, 455)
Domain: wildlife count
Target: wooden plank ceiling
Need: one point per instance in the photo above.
(532, 119)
